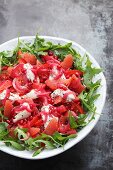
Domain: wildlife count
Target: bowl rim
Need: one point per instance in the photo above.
(94, 122)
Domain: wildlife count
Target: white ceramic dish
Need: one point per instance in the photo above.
(9, 45)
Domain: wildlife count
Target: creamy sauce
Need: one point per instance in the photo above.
(30, 75)
(47, 122)
(48, 119)
(26, 104)
(45, 108)
(58, 92)
(63, 77)
(2, 95)
(70, 98)
(54, 73)
(32, 94)
(14, 97)
(21, 115)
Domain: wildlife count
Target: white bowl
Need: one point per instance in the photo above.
(9, 45)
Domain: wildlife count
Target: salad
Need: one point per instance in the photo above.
(47, 95)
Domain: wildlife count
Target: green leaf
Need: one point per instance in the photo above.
(37, 152)
(26, 47)
(3, 130)
(81, 119)
(8, 58)
(15, 145)
(90, 72)
(88, 98)
(72, 121)
(21, 133)
(48, 144)
(41, 53)
(1, 108)
(63, 138)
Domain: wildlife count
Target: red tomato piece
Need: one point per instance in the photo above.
(67, 62)
(38, 63)
(9, 70)
(69, 73)
(19, 52)
(5, 84)
(29, 58)
(76, 84)
(77, 108)
(34, 120)
(53, 84)
(8, 108)
(17, 71)
(21, 61)
(34, 131)
(61, 109)
(52, 127)
(57, 99)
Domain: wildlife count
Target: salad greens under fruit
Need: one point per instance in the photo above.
(47, 95)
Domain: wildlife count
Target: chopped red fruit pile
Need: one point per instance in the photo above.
(39, 95)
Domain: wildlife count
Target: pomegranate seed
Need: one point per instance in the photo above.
(8, 121)
(21, 122)
(25, 120)
(56, 57)
(50, 53)
(31, 117)
(24, 123)
(34, 114)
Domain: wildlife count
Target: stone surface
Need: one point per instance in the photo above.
(89, 23)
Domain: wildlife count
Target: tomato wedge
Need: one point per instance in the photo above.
(29, 58)
(34, 120)
(52, 127)
(77, 108)
(67, 62)
(76, 84)
(57, 99)
(5, 84)
(38, 63)
(19, 53)
(12, 132)
(61, 109)
(53, 84)
(69, 73)
(34, 131)
(17, 71)
(8, 108)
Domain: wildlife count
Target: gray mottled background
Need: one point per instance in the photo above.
(89, 23)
